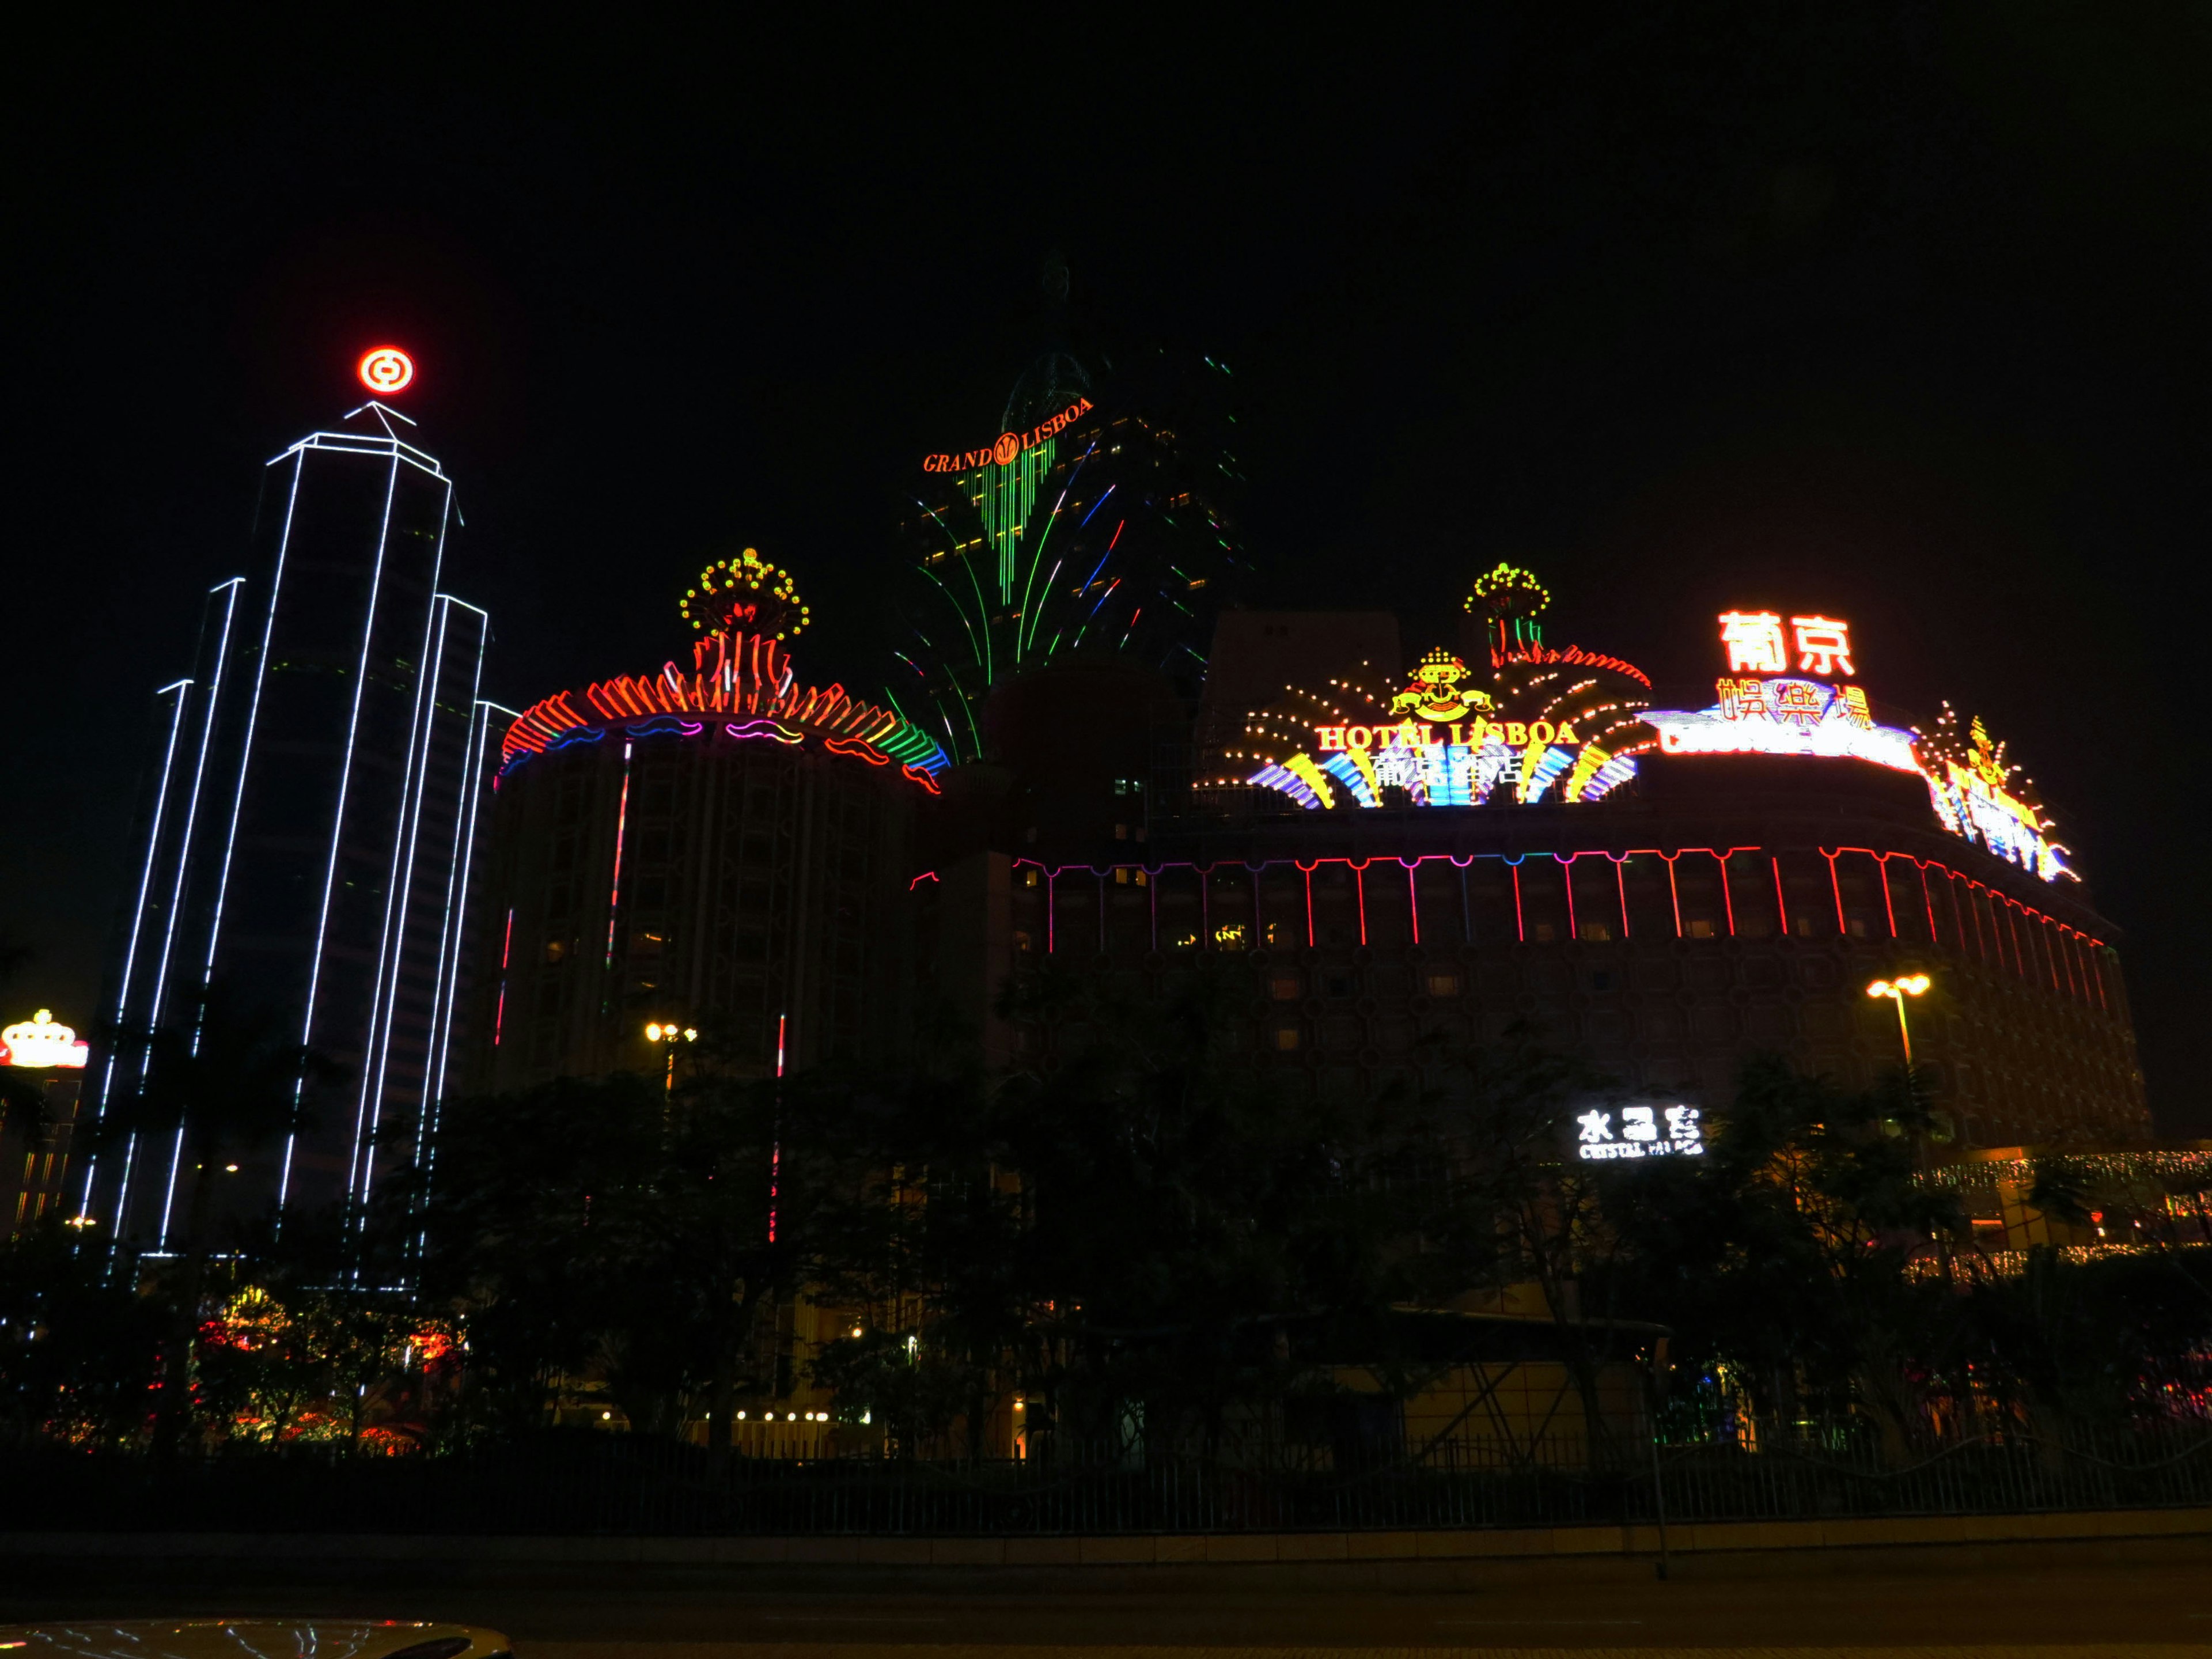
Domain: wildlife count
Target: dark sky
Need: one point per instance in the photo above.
(1899, 315)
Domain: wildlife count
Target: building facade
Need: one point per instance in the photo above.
(1402, 863)
(307, 820)
(715, 846)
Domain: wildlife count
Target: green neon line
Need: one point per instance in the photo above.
(1051, 518)
(982, 649)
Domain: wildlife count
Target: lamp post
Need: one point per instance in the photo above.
(1911, 985)
(668, 1036)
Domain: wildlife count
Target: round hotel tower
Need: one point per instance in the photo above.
(718, 845)
(1402, 855)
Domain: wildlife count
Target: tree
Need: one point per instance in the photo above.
(1787, 1250)
(229, 1086)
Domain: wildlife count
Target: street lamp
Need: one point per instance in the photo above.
(669, 1037)
(1911, 985)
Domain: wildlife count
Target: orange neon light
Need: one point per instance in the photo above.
(387, 369)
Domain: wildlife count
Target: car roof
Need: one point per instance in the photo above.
(247, 1639)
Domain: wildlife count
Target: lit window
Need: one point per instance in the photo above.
(1443, 985)
(1541, 932)
(1022, 941)
(1596, 930)
(1284, 990)
(1287, 1038)
(556, 950)
(1698, 927)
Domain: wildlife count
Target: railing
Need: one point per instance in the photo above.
(631, 1485)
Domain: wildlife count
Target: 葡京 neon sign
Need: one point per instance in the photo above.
(1009, 446)
(1766, 705)
(387, 369)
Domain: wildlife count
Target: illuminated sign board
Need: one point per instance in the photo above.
(1630, 1133)
(1008, 446)
(386, 370)
(1773, 709)
(41, 1042)
(1821, 645)
(1457, 754)
(1784, 717)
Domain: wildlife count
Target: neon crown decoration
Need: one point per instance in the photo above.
(742, 610)
(749, 594)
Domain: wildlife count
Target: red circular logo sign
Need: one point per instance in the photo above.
(387, 369)
(1006, 449)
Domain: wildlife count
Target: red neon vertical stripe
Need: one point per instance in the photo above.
(1567, 875)
(1837, 888)
(621, 826)
(1881, 874)
(775, 1148)
(1051, 911)
(499, 1011)
(2098, 968)
(1781, 904)
(1927, 902)
(1728, 898)
(1413, 899)
(1519, 927)
(1620, 887)
(1673, 893)
(1359, 891)
(1310, 932)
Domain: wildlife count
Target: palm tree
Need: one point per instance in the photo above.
(226, 1087)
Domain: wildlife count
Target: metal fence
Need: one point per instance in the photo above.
(631, 1485)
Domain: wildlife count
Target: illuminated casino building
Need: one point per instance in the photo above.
(1403, 850)
(34, 1142)
(306, 822)
(1096, 523)
(715, 846)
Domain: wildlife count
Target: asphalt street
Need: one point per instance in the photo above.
(2051, 1598)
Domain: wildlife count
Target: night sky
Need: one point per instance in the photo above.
(1893, 315)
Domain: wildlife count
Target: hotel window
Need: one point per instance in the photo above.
(556, 950)
(1541, 932)
(1698, 926)
(1443, 985)
(1022, 941)
(1287, 1038)
(1595, 932)
(1284, 990)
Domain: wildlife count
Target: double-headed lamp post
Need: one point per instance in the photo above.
(668, 1036)
(1912, 985)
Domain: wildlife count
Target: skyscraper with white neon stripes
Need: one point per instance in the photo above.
(306, 822)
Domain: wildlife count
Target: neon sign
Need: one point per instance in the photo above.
(1645, 1132)
(746, 592)
(1009, 446)
(1784, 717)
(41, 1042)
(1971, 788)
(387, 369)
(1446, 760)
(1754, 642)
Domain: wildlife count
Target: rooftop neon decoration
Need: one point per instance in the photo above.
(742, 676)
(386, 369)
(1546, 734)
(747, 594)
(1979, 795)
(41, 1042)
